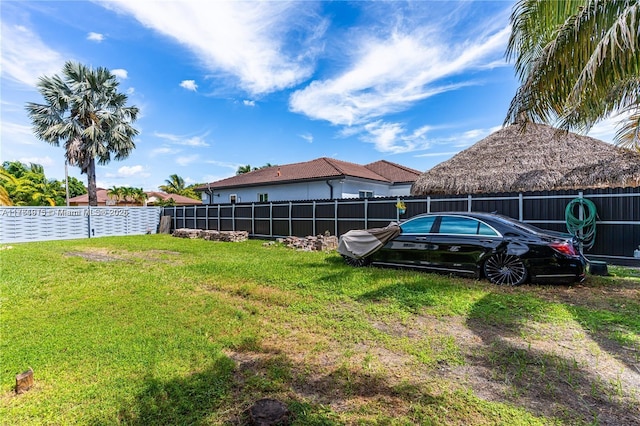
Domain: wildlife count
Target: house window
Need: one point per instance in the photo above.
(233, 198)
(263, 198)
(365, 194)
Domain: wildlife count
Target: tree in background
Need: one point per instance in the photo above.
(578, 62)
(76, 187)
(84, 110)
(246, 169)
(5, 197)
(28, 186)
(176, 185)
(115, 193)
(127, 195)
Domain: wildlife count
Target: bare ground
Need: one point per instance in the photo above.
(561, 372)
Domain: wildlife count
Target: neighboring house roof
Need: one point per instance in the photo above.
(536, 157)
(103, 197)
(100, 192)
(394, 172)
(179, 199)
(320, 168)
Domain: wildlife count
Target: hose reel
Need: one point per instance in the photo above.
(580, 216)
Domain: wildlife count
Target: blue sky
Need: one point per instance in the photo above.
(223, 84)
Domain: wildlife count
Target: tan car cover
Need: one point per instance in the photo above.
(361, 243)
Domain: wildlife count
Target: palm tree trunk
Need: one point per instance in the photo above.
(91, 183)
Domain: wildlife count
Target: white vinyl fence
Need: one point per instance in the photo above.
(24, 224)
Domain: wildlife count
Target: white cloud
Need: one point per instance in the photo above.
(97, 37)
(249, 103)
(194, 141)
(165, 150)
(307, 137)
(43, 161)
(189, 85)
(394, 138)
(25, 57)
(120, 73)
(186, 160)
(232, 166)
(127, 171)
(18, 134)
(391, 74)
(245, 40)
(606, 129)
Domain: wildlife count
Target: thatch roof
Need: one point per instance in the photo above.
(534, 158)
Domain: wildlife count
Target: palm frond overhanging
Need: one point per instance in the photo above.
(578, 62)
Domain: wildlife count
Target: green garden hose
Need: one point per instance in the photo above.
(583, 229)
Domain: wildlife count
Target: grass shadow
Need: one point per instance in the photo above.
(548, 378)
(189, 400)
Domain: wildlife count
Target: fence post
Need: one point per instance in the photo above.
(206, 217)
(520, 207)
(271, 218)
(89, 220)
(290, 218)
(335, 214)
(218, 218)
(469, 203)
(233, 217)
(428, 203)
(184, 216)
(313, 217)
(253, 218)
(366, 213)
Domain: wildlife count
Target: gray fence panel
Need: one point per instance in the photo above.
(618, 225)
(24, 224)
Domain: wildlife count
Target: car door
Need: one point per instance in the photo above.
(459, 243)
(411, 247)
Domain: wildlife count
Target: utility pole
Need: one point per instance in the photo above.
(66, 181)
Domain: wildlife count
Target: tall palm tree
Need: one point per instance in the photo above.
(115, 192)
(128, 194)
(578, 62)
(84, 110)
(173, 185)
(243, 169)
(139, 196)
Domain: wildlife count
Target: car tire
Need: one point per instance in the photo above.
(358, 263)
(505, 269)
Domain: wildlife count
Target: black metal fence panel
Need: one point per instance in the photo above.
(617, 225)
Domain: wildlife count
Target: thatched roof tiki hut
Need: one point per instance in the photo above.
(532, 158)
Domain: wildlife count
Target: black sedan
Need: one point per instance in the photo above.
(499, 248)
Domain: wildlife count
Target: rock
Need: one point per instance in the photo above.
(310, 243)
(212, 235)
(268, 412)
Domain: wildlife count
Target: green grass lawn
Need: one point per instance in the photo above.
(158, 330)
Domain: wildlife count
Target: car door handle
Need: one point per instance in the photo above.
(421, 238)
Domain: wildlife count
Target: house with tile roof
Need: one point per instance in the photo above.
(319, 179)
(152, 198)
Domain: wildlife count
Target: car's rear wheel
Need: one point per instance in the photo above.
(363, 261)
(505, 269)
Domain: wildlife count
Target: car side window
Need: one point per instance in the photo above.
(485, 229)
(453, 225)
(421, 225)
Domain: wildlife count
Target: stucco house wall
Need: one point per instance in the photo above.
(311, 190)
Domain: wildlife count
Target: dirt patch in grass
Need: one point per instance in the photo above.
(560, 371)
(109, 255)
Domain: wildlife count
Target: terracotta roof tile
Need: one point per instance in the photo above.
(395, 173)
(320, 168)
